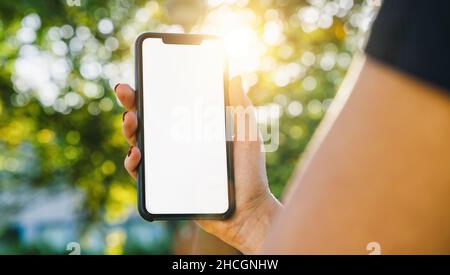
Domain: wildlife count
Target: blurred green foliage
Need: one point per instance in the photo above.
(60, 124)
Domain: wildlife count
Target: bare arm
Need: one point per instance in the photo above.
(377, 170)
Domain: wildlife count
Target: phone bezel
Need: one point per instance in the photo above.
(182, 39)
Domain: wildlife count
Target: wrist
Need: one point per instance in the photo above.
(253, 228)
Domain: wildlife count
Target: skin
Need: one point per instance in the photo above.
(376, 171)
(255, 204)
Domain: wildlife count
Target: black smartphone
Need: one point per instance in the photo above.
(186, 168)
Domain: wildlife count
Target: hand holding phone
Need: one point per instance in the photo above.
(255, 205)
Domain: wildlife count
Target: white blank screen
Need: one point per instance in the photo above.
(184, 128)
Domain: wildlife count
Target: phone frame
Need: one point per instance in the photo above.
(182, 39)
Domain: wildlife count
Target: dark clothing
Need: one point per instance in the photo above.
(414, 37)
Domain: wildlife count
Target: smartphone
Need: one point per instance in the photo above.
(186, 168)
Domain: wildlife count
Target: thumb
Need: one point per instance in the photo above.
(236, 94)
(243, 114)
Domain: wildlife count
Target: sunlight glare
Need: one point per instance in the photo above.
(243, 46)
(273, 32)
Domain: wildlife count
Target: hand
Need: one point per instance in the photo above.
(255, 205)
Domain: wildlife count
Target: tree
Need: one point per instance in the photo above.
(60, 124)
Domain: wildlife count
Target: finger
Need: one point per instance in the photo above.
(132, 160)
(129, 127)
(126, 95)
(247, 148)
(237, 96)
(244, 120)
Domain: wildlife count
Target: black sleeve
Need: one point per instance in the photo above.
(414, 37)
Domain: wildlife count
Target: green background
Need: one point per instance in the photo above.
(61, 148)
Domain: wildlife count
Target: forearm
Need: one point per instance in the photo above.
(379, 172)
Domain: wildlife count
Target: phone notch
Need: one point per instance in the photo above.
(183, 39)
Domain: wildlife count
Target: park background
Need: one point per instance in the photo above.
(61, 149)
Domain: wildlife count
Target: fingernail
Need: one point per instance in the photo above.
(129, 151)
(123, 115)
(115, 87)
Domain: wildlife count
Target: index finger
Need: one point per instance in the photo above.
(126, 95)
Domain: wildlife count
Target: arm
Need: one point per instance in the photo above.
(377, 170)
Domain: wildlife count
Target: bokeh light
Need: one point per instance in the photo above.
(60, 123)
